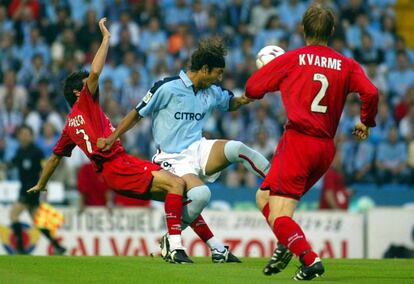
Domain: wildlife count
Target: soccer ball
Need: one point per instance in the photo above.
(267, 54)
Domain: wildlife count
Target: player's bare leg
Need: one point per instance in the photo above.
(15, 212)
(290, 235)
(225, 152)
(173, 187)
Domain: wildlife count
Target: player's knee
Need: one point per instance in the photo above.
(200, 195)
(232, 150)
(262, 198)
(177, 186)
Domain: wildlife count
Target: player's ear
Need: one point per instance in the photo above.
(204, 69)
(333, 31)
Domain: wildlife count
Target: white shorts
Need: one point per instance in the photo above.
(192, 160)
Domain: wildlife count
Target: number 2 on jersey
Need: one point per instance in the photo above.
(315, 106)
(86, 138)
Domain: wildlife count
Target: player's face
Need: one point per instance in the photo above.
(215, 75)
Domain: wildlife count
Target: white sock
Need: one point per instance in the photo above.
(175, 242)
(214, 243)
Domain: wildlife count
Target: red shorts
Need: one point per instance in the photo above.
(129, 176)
(298, 163)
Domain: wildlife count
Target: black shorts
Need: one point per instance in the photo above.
(29, 199)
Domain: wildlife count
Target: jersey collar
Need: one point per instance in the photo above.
(183, 76)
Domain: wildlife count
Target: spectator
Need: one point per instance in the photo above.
(34, 46)
(367, 53)
(391, 161)
(384, 122)
(89, 32)
(270, 35)
(92, 188)
(10, 118)
(264, 144)
(260, 14)
(10, 88)
(125, 22)
(400, 78)
(358, 165)
(52, 29)
(291, 13)
(30, 75)
(43, 113)
(200, 16)
(406, 128)
(176, 15)
(9, 53)
(401, 109)
(334, 195)
(152, 37)
(47, 139)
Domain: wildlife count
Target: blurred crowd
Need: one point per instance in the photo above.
(42, 41)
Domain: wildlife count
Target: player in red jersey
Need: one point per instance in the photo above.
(123, 173)
(314, 82)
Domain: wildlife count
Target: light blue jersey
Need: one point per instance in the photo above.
(178, 113)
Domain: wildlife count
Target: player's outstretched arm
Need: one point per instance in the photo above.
(236, 103)
(47, 172)
(126, 123)
(99, 59)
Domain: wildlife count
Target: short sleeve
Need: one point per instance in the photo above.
(64, 146)
(223, 97)
(156, 99)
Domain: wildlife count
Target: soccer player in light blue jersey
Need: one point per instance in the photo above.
(180, 107)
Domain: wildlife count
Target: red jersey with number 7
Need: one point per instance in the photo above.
(314, 82)
(86, 123)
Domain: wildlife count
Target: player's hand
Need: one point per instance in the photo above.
(102, 27)
(245, 100)
(361, 131)
(37, 188)
(104, 144)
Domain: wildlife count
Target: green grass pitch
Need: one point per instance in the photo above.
(79, 270)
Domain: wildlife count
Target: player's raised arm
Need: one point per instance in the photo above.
(47, 172)
(266, 79)
(126, 123)
(99, 59)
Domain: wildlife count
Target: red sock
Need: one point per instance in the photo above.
(201, 228)
(266, 212)
(289, 234)
(173, 213)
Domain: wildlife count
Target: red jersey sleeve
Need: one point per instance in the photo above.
(64, 146)
(359, 83)
(268, 78)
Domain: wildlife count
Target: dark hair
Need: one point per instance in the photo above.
(24, 126)
(73, 82)
(210, 52)
(318, 23)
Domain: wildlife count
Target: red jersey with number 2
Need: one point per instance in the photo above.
(314, 82)
(86, 123)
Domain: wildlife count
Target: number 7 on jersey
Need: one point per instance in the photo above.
(86, 138)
